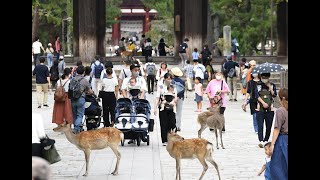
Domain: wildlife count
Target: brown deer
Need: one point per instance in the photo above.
(93, 140)
(180, 148)
(212, 119)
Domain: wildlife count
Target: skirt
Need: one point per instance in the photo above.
(62, 112)
(198, 98)
(279, 159)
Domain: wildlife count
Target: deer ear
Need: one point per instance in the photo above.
(174, 130)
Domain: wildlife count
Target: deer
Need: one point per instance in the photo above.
(212, 119)
(93, 140)
(180, 148)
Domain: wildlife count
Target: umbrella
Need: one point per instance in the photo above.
(268, 68)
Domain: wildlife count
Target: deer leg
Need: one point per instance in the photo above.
(87, 157)
(205, 166)
(202, 128)
(178, 175)
(209, 158)
(118, 155)
(216, 133)
(221, 138)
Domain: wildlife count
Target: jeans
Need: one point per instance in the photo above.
(36, 59)
(255, 123)
(78, 112)
(49, 59)
(261, 118)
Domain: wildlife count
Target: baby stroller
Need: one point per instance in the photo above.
(92, 112)
(133, 119)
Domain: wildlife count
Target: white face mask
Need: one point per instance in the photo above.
(255, 75)
(218, 77)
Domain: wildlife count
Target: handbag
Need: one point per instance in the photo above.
(51, 155)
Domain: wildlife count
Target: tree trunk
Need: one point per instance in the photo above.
(76, 28)
(282, 28)
(263, 48)
(195, 23)
(216, 33)
(210, 28)
(87, 30)
(35, 23)
(178, 27)
(101, 27)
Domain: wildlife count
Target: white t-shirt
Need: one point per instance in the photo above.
(141, 82)
(37, 128)
(199, 70)
(159, 76)
(114, 75)
(66, 86)
(125, 72)
(36, 47)
(109, 84)
(162, 89)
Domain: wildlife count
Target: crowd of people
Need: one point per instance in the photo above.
(99, 79)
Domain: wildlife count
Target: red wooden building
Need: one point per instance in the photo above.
(135, 19)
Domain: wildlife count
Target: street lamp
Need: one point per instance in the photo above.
(63, 41)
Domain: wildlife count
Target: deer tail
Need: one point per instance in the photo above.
(121, 136)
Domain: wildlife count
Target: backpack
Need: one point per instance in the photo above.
(231, 73)
(54, 74)
(179, 87)
(74, 91)
(60, 93)
(148, 48)
(151, 69)
(97, 70)
(266, 96)
(182, 48)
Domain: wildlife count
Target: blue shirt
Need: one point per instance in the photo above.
(180, 94)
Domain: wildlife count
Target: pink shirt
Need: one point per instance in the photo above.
(57, 44)
(197, 89)
(215, 85)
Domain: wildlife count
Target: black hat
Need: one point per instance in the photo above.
(132, 66)
(123, 38)
(108, 64)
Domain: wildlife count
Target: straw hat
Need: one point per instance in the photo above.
(176, 71)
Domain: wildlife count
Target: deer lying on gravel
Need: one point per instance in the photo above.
(180, 148)
(212, 119)
(93, 140)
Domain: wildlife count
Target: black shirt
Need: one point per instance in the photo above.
(41, 71)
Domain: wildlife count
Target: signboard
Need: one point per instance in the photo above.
(131, 26)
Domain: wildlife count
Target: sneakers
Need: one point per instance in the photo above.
(46, 105)
(164, 144)
(39, 106)
(260, 144)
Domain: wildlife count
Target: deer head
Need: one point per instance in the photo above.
(62, 128)
(174, 137)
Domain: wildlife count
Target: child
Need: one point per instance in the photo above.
(195, 55)
(266, 166)
(198, 94)
(132, 89)
(188, 69)
(167, 98)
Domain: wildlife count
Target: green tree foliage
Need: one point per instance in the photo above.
(112, 11)
(51, 13)
(249, 20)
(162, 25)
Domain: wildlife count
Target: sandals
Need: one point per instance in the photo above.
(244, 108)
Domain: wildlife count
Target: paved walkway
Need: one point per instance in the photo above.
(242, 159)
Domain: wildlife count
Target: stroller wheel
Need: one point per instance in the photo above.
(122, 142)
(148, 140)
(138, 140)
